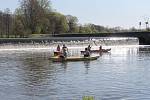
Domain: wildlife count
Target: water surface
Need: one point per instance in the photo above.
(122, 74)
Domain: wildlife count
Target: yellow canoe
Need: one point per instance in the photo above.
(58, 59)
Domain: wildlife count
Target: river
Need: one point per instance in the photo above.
(122, 74)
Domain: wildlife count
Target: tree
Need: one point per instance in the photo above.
(19, 28)
(8, 22)
(58, 23)
(133, 29)
(73, 23)
(62, 25)
(33, 11)
(85, 29)
(1, 23)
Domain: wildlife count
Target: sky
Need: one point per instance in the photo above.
(109, 13)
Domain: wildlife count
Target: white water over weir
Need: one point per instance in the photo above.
(19, 44)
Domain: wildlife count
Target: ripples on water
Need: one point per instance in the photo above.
(122, 74)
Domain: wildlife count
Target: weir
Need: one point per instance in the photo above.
(51, 43)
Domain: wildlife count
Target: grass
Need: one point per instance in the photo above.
(88, 98)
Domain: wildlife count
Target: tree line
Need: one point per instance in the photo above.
(38, 17)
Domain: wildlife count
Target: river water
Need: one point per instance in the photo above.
(122, 74)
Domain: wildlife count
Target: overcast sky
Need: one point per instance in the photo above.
(111, 13)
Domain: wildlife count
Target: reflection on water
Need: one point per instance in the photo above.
(87, 66)
(122, 74)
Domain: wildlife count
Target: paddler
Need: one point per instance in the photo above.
(89, 48)
(86, 53)
(58, 48)
(57, 52)
(100, 48)
(64, 51)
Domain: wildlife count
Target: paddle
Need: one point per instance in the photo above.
(95, 43)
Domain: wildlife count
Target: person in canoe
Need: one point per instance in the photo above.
(86, 53)
(89, 48)
(58, 48)
(103, 50)
(100, 48)
(64, 51)
(57, 52)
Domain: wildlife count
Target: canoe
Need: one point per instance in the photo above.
(98, 51)
(56, 53)
(58, 59)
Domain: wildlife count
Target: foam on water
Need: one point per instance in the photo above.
(94, 42)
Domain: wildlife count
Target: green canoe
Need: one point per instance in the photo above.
(58, 59)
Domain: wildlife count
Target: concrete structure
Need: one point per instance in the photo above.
(144, 37)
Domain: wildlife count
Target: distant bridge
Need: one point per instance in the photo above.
(144, 37)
